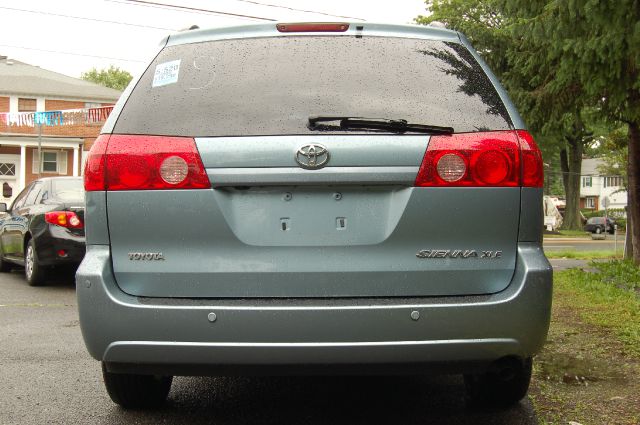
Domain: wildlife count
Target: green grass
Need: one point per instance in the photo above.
(610, 299)
(569, 234)
(583, 255)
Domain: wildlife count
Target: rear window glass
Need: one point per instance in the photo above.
(68, 189)
(270, 86)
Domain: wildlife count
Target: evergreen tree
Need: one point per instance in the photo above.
(559, 60)
(594, 46)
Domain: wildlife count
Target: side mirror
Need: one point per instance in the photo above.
(3, 207)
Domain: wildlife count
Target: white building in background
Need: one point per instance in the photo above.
(595, 187)
(27, 90)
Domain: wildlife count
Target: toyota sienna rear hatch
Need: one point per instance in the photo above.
(314, 165)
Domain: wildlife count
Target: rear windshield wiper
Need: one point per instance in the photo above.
(396, 126)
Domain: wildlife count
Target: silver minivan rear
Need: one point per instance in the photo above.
(314, 198)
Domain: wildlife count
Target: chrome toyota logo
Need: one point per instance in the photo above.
(312, 157)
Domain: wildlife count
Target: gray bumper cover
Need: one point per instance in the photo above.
(122, 329)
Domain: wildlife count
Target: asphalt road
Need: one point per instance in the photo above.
(583, 244)
(46, 376)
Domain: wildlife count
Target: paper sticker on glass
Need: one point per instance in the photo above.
(166, 73)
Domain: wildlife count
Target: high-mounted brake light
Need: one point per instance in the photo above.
(132, 162)
(67, 219)
(483, 159)
(313, 27)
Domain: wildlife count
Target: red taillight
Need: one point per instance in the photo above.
(490, 159)
(471, 159)
(67, 219)
(94, 165)
(313, 27)
(532, 167)
(134, 162)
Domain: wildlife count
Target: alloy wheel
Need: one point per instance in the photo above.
(28, 267)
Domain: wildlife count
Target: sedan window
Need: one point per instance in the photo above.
(33, 193)
(68, 189)
(19, 201)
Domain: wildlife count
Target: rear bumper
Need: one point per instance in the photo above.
(176, 336)
(54, 239)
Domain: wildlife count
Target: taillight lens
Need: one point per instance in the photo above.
(490, 159)
(471, 159)
(532, 165)
(67, 219)
(133, 162)
(94, 165)
(451, 167)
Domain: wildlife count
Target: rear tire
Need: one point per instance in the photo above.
(598, 230)
(5, 266)
(136, 391)
(504, 384)
(33, 271)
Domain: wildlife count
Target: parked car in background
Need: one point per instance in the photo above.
(44, 227)
(598, 225)
(306, 198)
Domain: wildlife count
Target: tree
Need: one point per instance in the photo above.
(480, 22)
(596, 48)
(614, 152)
(113, 77)
(554, 113)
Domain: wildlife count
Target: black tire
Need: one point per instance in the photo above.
(136, 391)
(5, 266)
(33, 271)
(598, 230)
(504, 384)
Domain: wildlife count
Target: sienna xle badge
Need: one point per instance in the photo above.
(314, 198)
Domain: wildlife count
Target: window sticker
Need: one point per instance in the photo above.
(166, 73)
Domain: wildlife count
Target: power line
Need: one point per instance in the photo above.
(297, 10)
(189, 9)
(558, 173)
(71, 53)
(85, 18)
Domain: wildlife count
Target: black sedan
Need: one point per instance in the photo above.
(44, 227)
(597, 225)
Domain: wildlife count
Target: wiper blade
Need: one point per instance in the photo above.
(396, 126)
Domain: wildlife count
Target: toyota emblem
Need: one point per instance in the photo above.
(312, 157)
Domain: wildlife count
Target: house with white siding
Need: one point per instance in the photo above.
(596, 187)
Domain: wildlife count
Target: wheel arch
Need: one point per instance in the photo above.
(27, 237)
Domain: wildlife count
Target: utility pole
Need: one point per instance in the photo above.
(39, 146)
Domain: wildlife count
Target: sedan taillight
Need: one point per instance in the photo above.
(67, 219)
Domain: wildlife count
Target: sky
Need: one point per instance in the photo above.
(124, 33)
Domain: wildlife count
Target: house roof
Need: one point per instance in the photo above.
(590, 166)
(19, 78)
